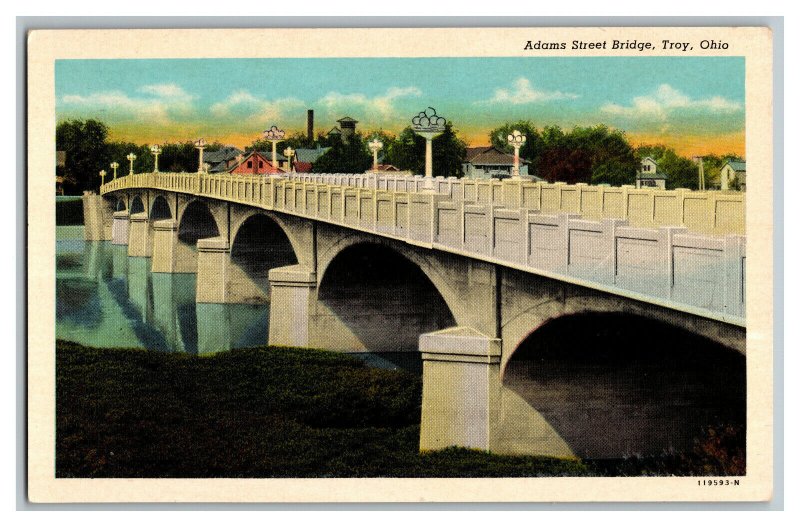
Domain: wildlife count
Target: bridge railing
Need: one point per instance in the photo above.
(631, 240)
(712, 212)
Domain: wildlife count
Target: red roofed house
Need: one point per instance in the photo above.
(255, 163)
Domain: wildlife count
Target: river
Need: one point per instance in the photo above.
(105, 298)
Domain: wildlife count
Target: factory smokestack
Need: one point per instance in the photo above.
(310, 124)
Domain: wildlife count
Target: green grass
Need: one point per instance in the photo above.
(264, 412)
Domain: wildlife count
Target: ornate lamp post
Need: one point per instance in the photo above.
(516, 139)
(102, 177)
(274, 135)
(289, 152)
(428, 126)
(114, 167)
(375, 146)
(131, 157)
(155, 150)
(200, 144)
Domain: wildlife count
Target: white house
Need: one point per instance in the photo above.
(649, 176)
(484, 162)
(733, 175)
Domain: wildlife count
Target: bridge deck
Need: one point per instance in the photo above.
(679, 249)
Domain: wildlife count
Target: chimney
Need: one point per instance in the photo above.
(310, 124)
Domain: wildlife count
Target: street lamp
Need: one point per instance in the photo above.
(131, 157)
(114, 167)
(375, 146)
(200, 144)
(289, 152)
(102, 177)
(428, 126)
(155, 150)
(516, 139)
(275, 136)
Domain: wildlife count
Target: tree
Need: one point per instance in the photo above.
(407, 152)
(86, 152)
(350, 157)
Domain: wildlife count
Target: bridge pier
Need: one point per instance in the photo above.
(213, 261)
(460, 389)
(119, 228)
(139, 236)
(293, 293)
(165, 245)
(97, 219)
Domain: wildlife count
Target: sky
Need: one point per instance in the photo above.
(694, 104)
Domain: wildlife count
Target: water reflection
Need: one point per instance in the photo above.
(106, 298)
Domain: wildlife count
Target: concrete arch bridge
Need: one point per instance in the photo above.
(475, 274)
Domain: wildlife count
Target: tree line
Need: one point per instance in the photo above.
(595, 155)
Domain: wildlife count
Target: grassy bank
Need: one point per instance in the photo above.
(266, 412)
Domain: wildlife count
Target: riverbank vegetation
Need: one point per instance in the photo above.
(279, 412)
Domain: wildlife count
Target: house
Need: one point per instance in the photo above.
(222, 160)
(257, 163)
(304, 158)
(733, 175)
(484, 162)
(649, 176)
(347, 125)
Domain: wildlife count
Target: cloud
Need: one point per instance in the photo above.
(666, 100)
(380, 107)
(166, 91)
(163, 103)
(523, 92)
(242, 103)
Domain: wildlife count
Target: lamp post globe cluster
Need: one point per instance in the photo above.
(516, 139)
(200, 145)
(274, 135)
(155, 150)
(131, 157)
(114, 166)
(288, 152)
(428, 125)
(375, 146)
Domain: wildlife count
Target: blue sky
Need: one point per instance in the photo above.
(691, 103)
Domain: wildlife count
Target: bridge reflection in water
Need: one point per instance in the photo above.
(105, 298)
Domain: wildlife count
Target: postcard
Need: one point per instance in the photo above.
(400, 265)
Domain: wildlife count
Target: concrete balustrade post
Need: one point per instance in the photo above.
(292, 292)
(139, 235)
(165, 245)
(460, 389)
(735, 271)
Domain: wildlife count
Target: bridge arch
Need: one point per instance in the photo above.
(196, 221)
(272, 221)
(373, 297)
(137, 205)
(120, 204)
(259, 243)
(615, 383)
(429, 268)
(160, 209)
